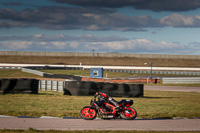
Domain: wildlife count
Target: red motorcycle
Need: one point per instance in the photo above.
(107, 110)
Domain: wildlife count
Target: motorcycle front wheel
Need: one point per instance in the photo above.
(128, 113)
(88, 113)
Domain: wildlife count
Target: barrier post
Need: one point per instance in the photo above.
(57, 86)
(51, 85)
(40, 84)
(45, 85)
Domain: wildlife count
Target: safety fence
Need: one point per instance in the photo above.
(181, 80)
(28, 53)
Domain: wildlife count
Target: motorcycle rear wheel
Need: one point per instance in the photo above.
(128, 114)
(88, 113)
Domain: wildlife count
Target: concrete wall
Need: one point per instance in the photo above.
(23, 53)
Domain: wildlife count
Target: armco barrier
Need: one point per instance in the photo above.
(33, 70)
(156, 72)
(181, 80)
(79, 88)
(28, 70)
(29, 86)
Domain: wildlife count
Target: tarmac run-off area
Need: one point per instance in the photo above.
(98, 124)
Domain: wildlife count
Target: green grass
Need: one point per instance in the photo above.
(13, 73)
(153, 104)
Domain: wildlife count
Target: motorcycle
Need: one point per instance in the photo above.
(107, 110)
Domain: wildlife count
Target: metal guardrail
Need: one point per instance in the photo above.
(49, 85)
(156, 72)
(33, 71)
(181, 80)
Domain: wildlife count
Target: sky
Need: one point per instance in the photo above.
(107, 26)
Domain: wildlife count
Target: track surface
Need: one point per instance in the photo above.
(98, 124)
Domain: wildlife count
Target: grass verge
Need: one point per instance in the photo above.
(153, 104)
(13, 73)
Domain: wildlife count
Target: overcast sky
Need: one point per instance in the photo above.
(121, 26)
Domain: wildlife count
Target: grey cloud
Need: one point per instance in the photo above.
(101, 44)
(63, 18)
(91, 38)
(10, 24)
(141, 46)
(63, 38)
(178, 20)
(14, 3)
(195, 45)
(154, 5)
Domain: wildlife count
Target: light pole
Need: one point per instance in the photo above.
(150, 70)
(93, 51)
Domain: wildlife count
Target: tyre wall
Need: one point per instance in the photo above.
(80, 88)
(25, 86)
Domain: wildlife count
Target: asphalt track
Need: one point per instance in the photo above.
(98, 124)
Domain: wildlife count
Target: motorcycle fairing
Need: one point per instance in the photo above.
(125, 102)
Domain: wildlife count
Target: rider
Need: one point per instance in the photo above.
(108, 98)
